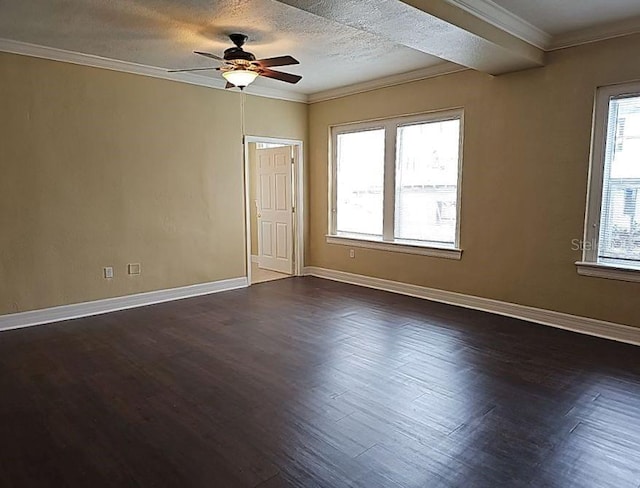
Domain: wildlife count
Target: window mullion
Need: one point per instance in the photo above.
(596, 183)
(389, 182)
(604, 215)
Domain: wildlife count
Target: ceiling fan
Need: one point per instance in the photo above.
(240, 68)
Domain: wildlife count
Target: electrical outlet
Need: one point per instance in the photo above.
(108, 272)
(134, 269)
(352, 253)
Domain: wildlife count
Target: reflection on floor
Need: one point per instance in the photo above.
(259, 275)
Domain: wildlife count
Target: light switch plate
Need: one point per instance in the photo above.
(108, 272)
(134, 268)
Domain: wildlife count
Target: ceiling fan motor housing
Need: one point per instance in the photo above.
(234, 53)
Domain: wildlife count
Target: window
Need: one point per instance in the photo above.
(613, 211)
(360, 181)
(396, 184)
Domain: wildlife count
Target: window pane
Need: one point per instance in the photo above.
(360, 182)
(426, 182)
(620, 217)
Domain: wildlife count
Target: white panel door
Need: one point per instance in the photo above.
(275, 212)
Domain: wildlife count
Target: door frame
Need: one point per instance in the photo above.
(297, 185)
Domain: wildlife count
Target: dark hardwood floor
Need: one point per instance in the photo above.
(306, 382)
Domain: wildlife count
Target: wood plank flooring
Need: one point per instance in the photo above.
(309, 383)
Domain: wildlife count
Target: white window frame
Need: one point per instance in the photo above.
(388, 242)
(589, 266)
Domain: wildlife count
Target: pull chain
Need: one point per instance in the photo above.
(242, 127)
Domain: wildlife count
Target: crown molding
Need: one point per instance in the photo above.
(596, 33)
(505, 20)
(399, 79)
(54, 54)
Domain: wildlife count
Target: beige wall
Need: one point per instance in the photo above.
(103, 168)
(100, 168)
(526, 157)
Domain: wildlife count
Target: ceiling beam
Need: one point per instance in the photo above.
(442, 28)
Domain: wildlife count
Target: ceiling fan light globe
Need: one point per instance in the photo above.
(240, 77)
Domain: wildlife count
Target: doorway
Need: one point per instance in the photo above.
(274, 208)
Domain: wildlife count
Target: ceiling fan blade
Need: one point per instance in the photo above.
(279, 75)
(279, 61)
(229, 85)
(209, 55)
(188, 69)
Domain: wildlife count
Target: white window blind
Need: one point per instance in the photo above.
(619, 236)
(426, 181)
(360, 182)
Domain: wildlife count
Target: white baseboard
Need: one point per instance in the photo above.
(97, 307)
(582, 325)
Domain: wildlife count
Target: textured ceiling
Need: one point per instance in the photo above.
(163, 33)
(338, 42)
(561, 16)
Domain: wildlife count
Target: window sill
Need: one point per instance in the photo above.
(608, 271)
(438, 252)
